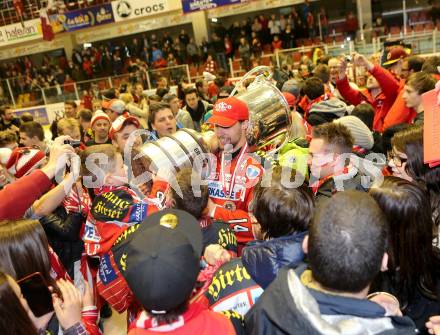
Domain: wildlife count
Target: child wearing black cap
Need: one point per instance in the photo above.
(161, 265)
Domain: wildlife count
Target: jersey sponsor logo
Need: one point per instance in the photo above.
(252, 172)
(90, 233)
(106, 271)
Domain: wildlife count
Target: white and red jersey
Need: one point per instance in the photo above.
(244, 172)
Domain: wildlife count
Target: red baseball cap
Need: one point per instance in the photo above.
(121, 121)
(290, 98)
(228, 111)
(394, 55)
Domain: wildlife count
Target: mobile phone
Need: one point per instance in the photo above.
(35, 290)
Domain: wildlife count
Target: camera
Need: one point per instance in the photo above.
(73, 143)
(348, 59)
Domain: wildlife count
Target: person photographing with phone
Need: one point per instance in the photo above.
(381, 91)
(48, 297)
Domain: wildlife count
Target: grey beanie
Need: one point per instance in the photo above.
(359, 130)
(332, 105)
(292, 86)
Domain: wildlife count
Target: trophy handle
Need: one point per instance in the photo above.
(259, 69)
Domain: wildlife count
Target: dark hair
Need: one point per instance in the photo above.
(190, 90)
(347, 241)
(226, 89)
(85, 114)
(322, 72)
(365, 112)
(154, 98)
(421, 81)
(14, 318)
(161, 91)
(104, 167)
(408, 210)
(109, 94)
(24, 249)
(169, 97)
(199, 83)
(335, 134)
(32, 129)
(7, 136)
(4, 108)
(154, 109)
(430, 65)
(71, 103)
(415, 63)
(388, 134)
(189, 202)
(281, 210)
(171, 315)
(410, 142)
(26, 117)
(313, 88)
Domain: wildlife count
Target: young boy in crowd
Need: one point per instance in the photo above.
(346, 249)
(161, 268)
(115, 206)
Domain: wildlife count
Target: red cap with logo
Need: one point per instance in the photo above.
(394, 55)
(228, 112)
(121, 121)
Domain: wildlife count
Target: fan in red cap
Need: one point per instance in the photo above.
(121, 130)
(228, 111)
(231, 186)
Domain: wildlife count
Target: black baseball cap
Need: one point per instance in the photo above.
(162, 259)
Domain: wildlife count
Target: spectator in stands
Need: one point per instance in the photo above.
(311, 24)
(193, 52)
(412, 274)
(351, 25)
(274, 25)
(100, 125)
(245, 53)
(276, 43)
(210, 65)
(7, 119)
(322, 16)
(330, 166)
(8, 139)
(183, 118)
(332, 292)
(162, 82)
(416, 85)
(32, 135)
(196, 107)
(161, 120)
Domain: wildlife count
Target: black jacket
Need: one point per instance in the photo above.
(63, 234)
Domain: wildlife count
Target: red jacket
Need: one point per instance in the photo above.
(17, 197)
(382, 103)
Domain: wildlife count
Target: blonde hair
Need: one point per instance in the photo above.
(126, 97)
(67, 124)
(107, 166)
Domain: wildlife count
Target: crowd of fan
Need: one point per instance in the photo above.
(352, 249)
